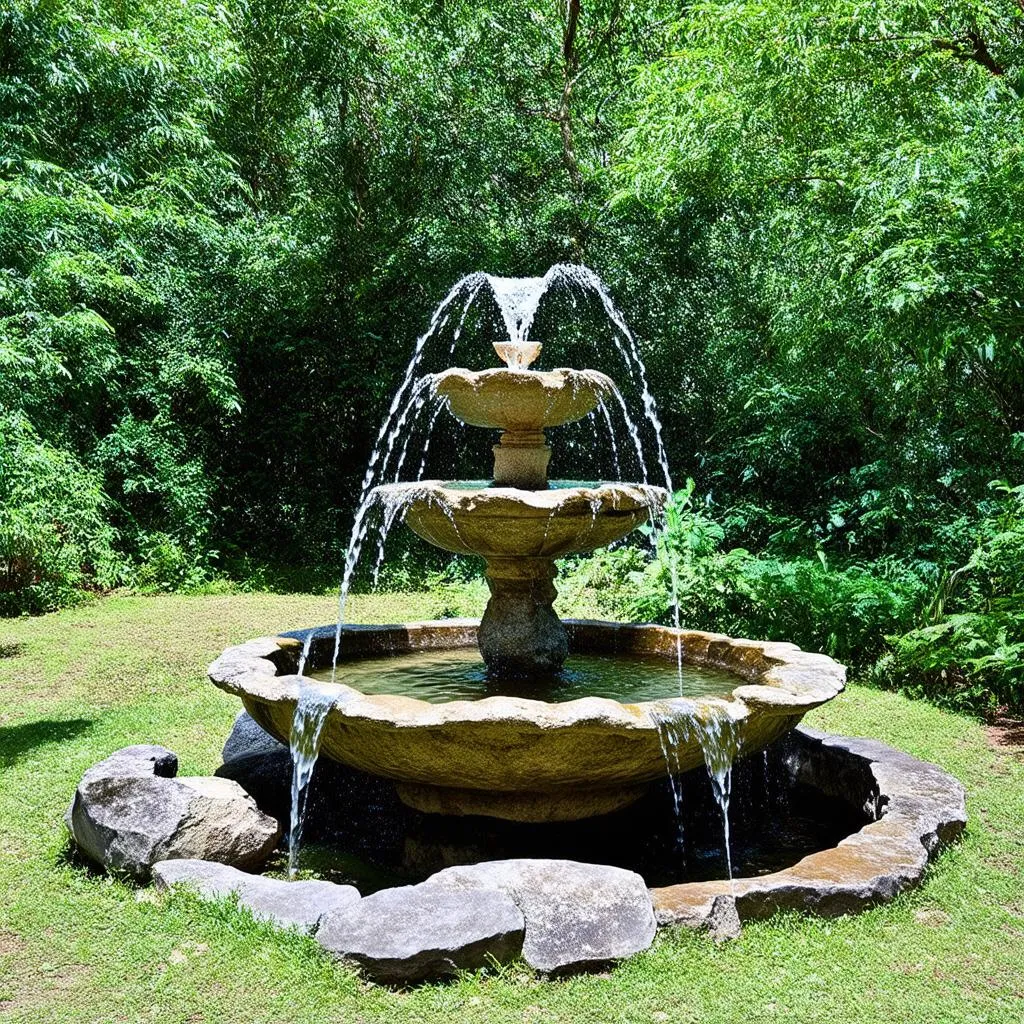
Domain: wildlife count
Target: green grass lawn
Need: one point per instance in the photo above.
(79, 947)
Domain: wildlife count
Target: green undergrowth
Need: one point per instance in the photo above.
(76, 946)
(948, 627)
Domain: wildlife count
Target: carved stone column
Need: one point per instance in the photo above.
(520, 634)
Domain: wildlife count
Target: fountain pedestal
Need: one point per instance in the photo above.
(520, 525)
(521, 460)
(520, 534)
(520, 634)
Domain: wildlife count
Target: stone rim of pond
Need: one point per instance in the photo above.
(918, 809)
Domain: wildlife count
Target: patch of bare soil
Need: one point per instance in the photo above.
(1006, 734)
(10, 943)
(28, 988)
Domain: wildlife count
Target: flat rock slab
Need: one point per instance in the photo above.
(918, 808)
(416, 932)
(130, 811)
(577, 915)
(299, 905)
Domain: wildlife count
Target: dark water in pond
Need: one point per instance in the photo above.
(359, 832)
(460, 674)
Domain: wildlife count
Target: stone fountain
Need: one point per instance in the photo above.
(511, 755)
(556, 722)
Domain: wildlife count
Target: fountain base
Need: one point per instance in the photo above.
(520, 635)
(525, 806)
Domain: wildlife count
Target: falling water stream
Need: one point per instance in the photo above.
(713, 726)
(314, 703)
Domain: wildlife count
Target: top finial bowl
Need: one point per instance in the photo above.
(518, 355)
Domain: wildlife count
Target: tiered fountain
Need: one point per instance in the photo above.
(526, 718)
(519, 524)
(570, 719)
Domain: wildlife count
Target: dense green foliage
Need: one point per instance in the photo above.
(223, 225)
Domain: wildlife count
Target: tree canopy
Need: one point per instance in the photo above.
(223, 225)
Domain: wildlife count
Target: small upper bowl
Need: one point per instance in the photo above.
(522, 401)
(518, 355)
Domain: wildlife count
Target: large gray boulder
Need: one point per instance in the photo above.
(416, 932)
(577, 915)
(299, 905)
(129, 812)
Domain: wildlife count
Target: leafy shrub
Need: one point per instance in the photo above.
(842, 610)
(970, 662)
(167, 567)
(971, 655)
(55, 540)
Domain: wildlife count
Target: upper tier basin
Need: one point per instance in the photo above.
(518, 758)
(505, 522)
(522, 401)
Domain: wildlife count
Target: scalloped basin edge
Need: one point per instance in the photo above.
(517, 758)
(521, 399)
(508, 522)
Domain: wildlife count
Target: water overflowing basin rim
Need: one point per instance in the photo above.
(514, 757)
(561, 498)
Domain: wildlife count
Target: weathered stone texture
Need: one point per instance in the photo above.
(416, 932)
(287, 904)
(577, 915)
(129, 812)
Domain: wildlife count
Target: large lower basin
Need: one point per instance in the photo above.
(523, 759)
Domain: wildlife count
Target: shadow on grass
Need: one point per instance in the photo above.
(18, 740)
(69, 856)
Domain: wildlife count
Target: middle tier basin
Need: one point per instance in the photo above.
(522, 400)
(505, 522)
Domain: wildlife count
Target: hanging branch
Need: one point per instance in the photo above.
(971, 48)
(562, 114)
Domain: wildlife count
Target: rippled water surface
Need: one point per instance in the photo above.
(460, 674)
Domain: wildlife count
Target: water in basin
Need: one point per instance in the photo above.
(553, 485)
(460, 674)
